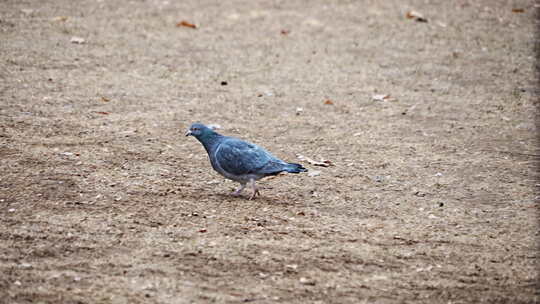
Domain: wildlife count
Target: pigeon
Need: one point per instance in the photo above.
(239, 160)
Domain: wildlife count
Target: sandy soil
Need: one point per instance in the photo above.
(432, 197)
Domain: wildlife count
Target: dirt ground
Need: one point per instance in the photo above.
(432, 197)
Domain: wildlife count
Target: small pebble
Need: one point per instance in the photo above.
(306, 281)
(77, 40)
(292, 266)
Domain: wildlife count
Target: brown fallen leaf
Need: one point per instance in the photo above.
(518, 10)
(186, 24)
(416, 16)
(285, 32)
(105, 99)
(103, 113)
(328, 102)
(322, 162)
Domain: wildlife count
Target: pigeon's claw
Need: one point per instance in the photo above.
(255, 190)
(254, 194)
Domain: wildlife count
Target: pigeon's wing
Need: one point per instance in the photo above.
(238, 157)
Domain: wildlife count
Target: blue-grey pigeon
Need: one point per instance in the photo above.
(239, 160)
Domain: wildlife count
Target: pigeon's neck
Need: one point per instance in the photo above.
(209, 141)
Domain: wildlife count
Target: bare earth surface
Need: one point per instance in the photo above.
(432, 197)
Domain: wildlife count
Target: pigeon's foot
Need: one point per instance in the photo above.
(255, 190)
(255, 193)
(239, 190)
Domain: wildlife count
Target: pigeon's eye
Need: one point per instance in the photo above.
(195, 129)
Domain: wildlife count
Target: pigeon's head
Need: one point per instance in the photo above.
(199, 130)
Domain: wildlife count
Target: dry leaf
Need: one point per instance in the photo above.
(322, 162)
(105, 99)
(77, 40)
(380, 97)
(186, 24)
(103, 113)
(518, 10)
(285, 32)
(328, 102)
(416, 16)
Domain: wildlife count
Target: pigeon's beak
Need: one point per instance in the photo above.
(188, 133)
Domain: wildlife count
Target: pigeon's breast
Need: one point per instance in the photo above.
(243, 178)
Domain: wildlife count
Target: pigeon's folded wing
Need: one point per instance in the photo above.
(239, 157)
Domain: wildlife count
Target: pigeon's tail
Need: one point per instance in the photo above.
(295, 168)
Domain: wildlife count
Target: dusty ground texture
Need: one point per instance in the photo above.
(432, 197)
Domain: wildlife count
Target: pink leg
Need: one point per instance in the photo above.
(255, 190)
(239, 190)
